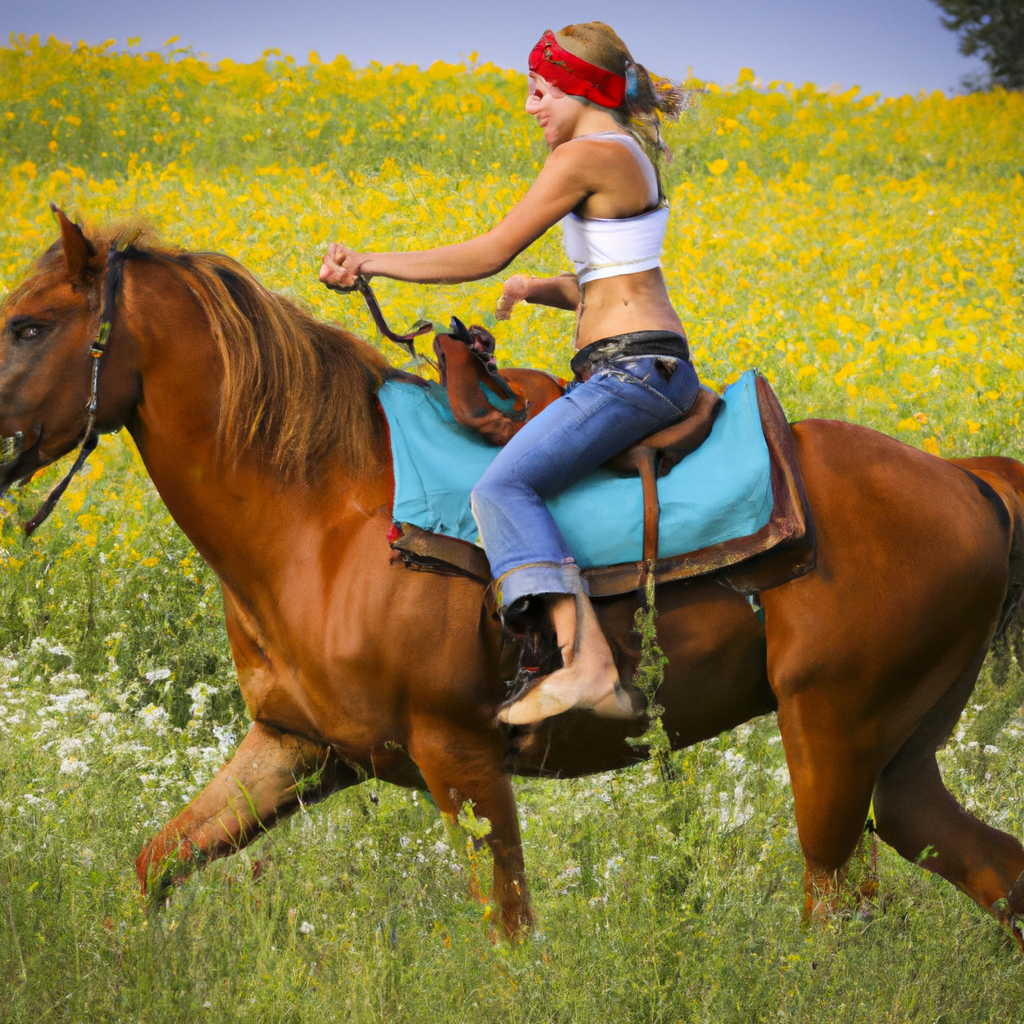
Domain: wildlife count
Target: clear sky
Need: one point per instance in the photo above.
(887, 46)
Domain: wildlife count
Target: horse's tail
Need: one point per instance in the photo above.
(1005, 477)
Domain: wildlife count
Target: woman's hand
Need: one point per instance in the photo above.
(340, 266)
(515, 290)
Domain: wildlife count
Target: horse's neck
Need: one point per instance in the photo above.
(247, 522)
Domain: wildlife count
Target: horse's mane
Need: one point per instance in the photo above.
(295, 389)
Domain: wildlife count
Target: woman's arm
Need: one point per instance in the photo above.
(561, 186)
(562, 292)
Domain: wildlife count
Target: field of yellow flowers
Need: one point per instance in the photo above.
(864, 253)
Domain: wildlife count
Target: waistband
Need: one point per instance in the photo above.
(632, 345)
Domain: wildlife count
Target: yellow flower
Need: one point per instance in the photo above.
(719, 166)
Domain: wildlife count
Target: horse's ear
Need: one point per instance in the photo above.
(78, 250)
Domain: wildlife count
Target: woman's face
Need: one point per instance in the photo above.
(555, 111)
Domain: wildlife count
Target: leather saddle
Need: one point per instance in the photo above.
(656, 455)
(498, 403)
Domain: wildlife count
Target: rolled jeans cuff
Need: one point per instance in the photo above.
(539, 578)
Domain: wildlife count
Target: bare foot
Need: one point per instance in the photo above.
(514, 291)
(588, 680)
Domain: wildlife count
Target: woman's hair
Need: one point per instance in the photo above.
(648, 97)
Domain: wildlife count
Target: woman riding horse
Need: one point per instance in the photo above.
(633, 376)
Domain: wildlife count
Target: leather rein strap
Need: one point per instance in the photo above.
(111, 288)
(404, 340)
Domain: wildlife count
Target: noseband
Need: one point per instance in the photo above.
(11, 448)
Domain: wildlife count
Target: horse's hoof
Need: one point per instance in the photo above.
(1017, 929)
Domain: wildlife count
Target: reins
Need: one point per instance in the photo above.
(404, 340)
(111, 287)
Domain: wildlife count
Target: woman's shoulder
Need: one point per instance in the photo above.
(594, 152)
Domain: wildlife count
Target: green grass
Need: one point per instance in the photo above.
(662, 895)
(670, 892)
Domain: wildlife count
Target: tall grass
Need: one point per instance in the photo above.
(866, 255)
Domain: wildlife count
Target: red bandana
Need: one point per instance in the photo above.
(574, 75)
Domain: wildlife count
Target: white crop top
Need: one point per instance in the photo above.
(605, 247)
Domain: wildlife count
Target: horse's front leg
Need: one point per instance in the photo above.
(460, 765)
(268, 777)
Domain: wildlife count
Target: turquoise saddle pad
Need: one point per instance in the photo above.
(719, 492)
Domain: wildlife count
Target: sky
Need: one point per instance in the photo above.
(887, 46)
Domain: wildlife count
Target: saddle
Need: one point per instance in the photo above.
(496, 404)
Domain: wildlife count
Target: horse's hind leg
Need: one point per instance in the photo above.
(270, 774)
(832, 780)
(921, 819)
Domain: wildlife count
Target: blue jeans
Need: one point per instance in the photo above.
(624, 401)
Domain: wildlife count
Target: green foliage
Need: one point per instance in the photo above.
(649, 675)
(872, 261)
(994, 30)
(94, 106)
(659, 899)
(661, 895)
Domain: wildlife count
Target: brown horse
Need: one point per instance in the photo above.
(260, 429)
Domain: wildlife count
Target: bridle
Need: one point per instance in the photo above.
(12, 447)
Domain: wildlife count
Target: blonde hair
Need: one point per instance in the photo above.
(648, 97)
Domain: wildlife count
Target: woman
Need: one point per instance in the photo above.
(632, 370)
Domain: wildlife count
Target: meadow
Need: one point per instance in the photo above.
(864, 253)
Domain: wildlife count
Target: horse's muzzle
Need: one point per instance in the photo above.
(17, 462)
(10, 450)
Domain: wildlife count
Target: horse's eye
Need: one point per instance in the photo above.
(28, 332)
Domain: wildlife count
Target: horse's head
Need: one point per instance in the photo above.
(47, 327)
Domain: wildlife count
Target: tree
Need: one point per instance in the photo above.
(993, 29)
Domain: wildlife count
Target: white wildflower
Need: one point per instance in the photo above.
(736, 812)
(611, 865)
(64, 703)
(200, 694)
(40, 645)
(73, 766)
(154, 718)
(225, 739)
(733, 761)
